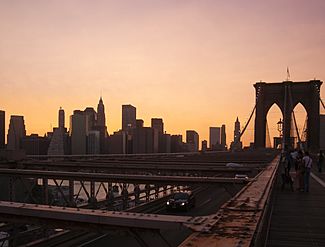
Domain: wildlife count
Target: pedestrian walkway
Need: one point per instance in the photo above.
(298, 218)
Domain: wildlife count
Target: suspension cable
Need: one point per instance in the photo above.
(246, 125)
(250, 117)
(321, 101)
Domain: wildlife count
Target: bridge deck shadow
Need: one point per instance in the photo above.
(298, 218)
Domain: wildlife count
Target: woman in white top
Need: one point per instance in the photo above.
(308, 162)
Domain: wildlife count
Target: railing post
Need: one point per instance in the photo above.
(136, 194)
(125, 196)
(45, 183)
(11, 188)
(71, 193)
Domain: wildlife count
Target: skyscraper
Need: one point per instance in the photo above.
(16, 132)
(237, 131)
(177, 144)
(158, 124)
(236, 144)
(128, 117)
(93, 142)
(79, 132)
(2, 129)
(101, 119)
(61, 118)
(159, 144)
(215, 137)
(223, 137)
(142, 140)
(92, 115)
(192, 140)
(59, 139)
(101, 126)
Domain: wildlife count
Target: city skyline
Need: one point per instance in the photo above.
(186, 62)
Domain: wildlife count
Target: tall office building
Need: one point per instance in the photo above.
(92, 115)
(118, 143)
(236, 144)
(93, 142)
(79, 132)
(215, 137)
(159, 142)
(157, 124)
(128, 117)
(165, 143)
(204, 146)
(237, 130)
(61, 118)
(35, 145)
(176, 144)
(223, 137)
(101, 119)
(2, 129)
(139, 123)
(59, 139)
(142, 140)
(16, 132)
(192, 140)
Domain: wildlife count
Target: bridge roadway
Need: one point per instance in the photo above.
(249, 204)
(203, 202)
(208, 200)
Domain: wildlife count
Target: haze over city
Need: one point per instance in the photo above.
(192, 63)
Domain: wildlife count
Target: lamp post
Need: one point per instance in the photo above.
(280, 127)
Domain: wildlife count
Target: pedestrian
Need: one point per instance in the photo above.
(286, 178)
(300, 171)
(288, 157)
(294, 156)
(308, 162)
(320, 162)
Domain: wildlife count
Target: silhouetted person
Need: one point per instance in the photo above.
(300, 171)
(286, 165)
(308, 162)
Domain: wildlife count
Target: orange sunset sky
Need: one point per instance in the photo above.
(192, 63)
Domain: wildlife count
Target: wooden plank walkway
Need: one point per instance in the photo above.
(298, 218)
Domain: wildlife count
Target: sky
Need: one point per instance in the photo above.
(191, 62)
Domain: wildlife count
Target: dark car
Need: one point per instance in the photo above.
(181, 201)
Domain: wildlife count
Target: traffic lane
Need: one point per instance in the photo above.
(208, 200)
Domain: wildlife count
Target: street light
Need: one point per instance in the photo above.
(280, 127)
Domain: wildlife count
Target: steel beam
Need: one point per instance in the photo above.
(51, 215)
(120, 178)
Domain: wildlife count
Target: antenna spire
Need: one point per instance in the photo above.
(288, 74)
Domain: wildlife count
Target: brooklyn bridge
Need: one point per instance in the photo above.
(103, 200)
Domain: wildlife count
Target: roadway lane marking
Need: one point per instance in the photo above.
(320, 181)
(205, 202)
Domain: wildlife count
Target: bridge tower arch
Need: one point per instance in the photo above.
(287, 95)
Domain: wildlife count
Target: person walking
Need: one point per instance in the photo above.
(308, 162)
(300, 171)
